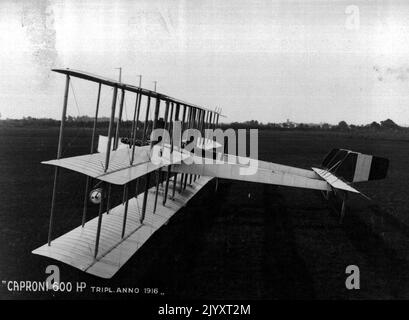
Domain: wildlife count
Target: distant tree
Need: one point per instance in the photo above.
(342, 125)
(389, 124)
(375, 125)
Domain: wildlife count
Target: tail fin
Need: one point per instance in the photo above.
(354, 166)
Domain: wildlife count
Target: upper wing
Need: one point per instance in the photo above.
(121, 85)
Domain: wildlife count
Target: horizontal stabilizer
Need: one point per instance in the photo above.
(334, 181)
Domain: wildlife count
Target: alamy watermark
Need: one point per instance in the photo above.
(215, 147)
(352, 21)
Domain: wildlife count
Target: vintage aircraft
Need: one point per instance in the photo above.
(102, 245)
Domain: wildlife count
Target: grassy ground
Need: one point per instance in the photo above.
(245, 241)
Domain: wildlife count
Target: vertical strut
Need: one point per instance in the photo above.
(136, 118)
(182, 177)
(125, 209)
(95, 119)
(185, 181)
(166, 115)
(155, 123)
(87, 182)
(200, 122)
(177, 110)
(183, 117)
(191, 124)
(118, 124)
(116, 142)
(145, 125)
(197, 117)
(145, 195)
(59, 151)
(110, 128)
(171, 156)
(111, 124)
(183, 128)
(170, 127)
(134, 130)
(135, 125)
(203, 141)
(175, 177)
(215, 121)
(158, 172)
(101, 208)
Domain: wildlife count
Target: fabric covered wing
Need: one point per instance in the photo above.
(119, 171)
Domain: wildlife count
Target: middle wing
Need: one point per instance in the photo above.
(120, 171)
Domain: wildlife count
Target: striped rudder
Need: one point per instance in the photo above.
(354, 166)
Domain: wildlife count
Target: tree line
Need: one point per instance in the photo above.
(87, 122)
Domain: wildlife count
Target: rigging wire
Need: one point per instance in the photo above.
(125, 115)
(76, 193)
(72, 140)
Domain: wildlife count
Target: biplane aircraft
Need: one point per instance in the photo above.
(102, 245)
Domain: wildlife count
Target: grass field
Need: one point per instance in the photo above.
(245, 241)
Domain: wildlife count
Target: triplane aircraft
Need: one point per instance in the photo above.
(102, 245)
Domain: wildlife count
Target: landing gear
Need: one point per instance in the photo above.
(340, 195)
(343, 207)
(326, 194)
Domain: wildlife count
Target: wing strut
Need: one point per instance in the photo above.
(116, 140)
(126, 188)
(101, 208)
(155, 124)
(168, 173)
(145, 195)
(108, 151)
(176, 175)
(88, 179)
(59, 151)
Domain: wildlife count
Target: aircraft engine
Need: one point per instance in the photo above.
(95, 195)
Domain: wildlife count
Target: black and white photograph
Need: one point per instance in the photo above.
(209, 151)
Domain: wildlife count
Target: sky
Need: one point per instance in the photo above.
(307, 61)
